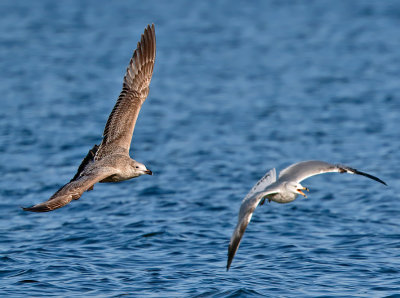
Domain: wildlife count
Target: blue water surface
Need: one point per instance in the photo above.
(238, 88)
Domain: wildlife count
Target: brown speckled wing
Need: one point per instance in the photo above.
(72, 190)
(121, 122)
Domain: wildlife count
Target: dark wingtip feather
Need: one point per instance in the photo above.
(369, 176)
(26, 208)
(232, 249)
(36, 209)
(345, 169)
(231, 254)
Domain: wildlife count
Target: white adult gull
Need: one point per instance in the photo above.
(110, 161)
(284, 190)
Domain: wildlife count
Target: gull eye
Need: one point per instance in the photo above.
(137, 167)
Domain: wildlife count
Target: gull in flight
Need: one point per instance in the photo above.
(284, 190)
(110, 161)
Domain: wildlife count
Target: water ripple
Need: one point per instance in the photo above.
(237, 90)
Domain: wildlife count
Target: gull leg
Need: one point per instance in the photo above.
(302, 193)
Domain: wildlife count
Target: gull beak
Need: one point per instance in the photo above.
(302, 193)
(148, 172)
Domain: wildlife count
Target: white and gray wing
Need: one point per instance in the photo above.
(121, 122)
(72, 190)
(247, 208)
(305, 169)
(261, 185)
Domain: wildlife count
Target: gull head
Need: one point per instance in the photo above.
(139, 169)
(296, 188)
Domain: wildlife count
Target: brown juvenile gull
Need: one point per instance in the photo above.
(284, 190)
(110, 161)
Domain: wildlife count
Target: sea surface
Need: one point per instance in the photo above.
(238, 88)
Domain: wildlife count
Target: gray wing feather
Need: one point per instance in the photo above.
(296, 172)
(249, 204)
(305, 169)
(121, 122)
(261, 185)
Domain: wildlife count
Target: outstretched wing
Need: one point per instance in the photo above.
(305, 169)
(121, 122)
(72, 191)
(249, 204)
(296, 172)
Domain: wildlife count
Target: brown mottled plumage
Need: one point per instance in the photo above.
(110, 161)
